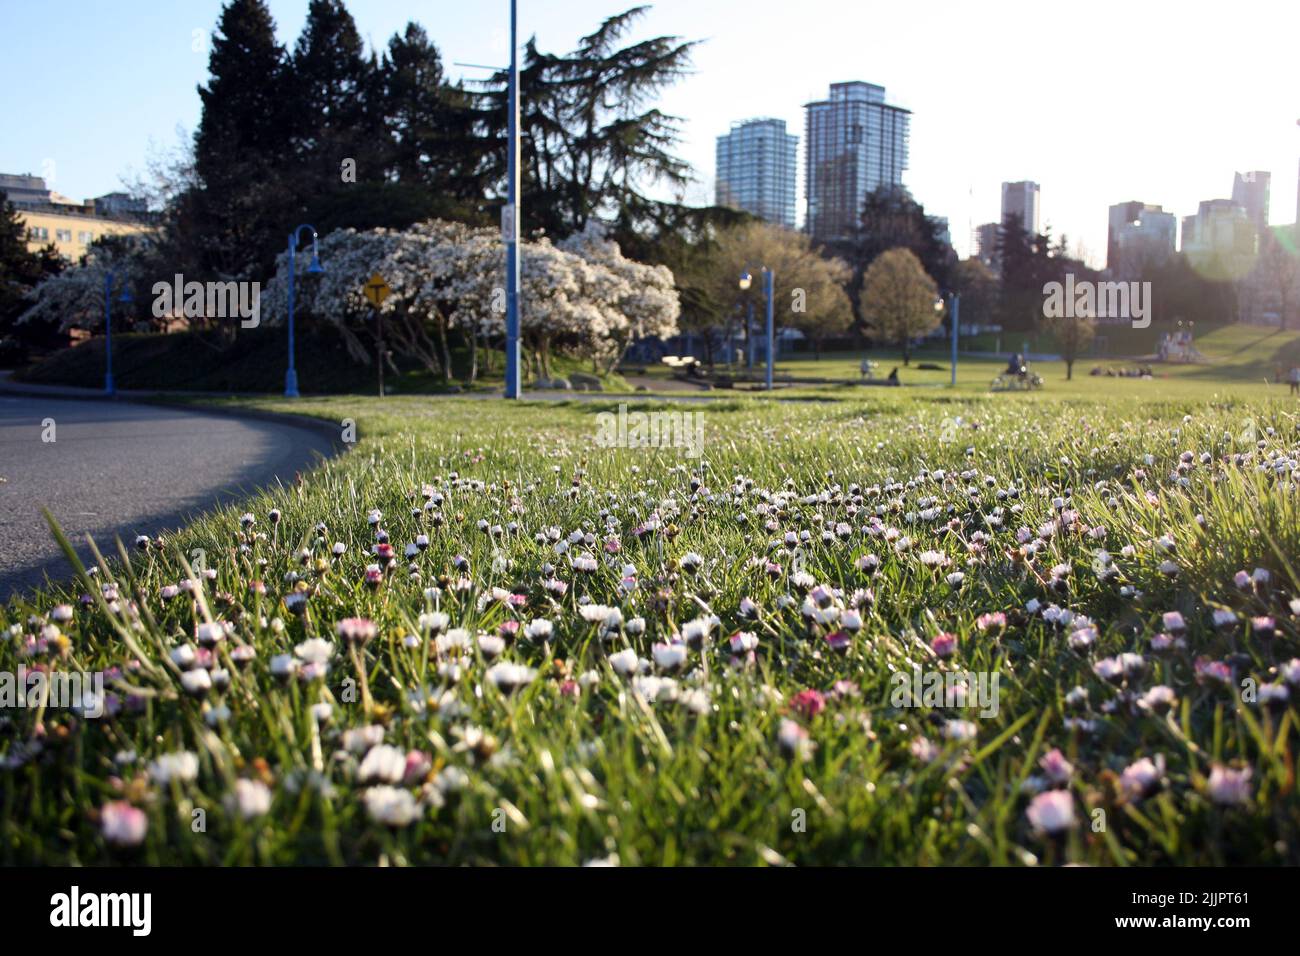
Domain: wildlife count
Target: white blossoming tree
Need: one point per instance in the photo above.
(75, 297)
(584, 297)
(644, 296)
(350, 258)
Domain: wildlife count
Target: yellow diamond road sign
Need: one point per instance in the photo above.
(376, 290)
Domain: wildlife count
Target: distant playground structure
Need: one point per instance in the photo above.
(1177, 346)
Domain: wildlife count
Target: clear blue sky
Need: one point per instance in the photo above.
(1099, 102)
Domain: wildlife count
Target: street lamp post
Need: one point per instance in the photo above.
(955, 299)
(291, 375)
(768, 277)
(749, 338)
(510, 212)
(954, 305)
(109, 387)
(510, 216)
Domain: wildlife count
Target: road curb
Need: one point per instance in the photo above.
(326, 429)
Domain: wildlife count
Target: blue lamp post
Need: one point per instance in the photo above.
(954, 306)
(109, 387)
(510, 212)
(510, 217)
(749, 337)
(291, 376)
(955, 298)
(768, 278)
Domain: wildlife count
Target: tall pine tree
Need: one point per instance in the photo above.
(20, 271)
(242, 153)
(432, 123)
(333, 92)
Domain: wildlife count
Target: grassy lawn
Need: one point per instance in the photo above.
(1240, 359)
(254, 361)
(717, 678)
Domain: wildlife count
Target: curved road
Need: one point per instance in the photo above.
(120, 469)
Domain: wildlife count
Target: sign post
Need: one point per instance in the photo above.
(376, 290)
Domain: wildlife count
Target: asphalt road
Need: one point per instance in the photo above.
(115, 468)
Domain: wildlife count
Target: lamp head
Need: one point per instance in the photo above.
(315, 268)
(126, 295)
(746, 280)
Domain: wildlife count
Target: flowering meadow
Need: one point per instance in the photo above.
(479, 637)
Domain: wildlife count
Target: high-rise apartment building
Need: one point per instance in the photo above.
(854, 143)
(1250, 192)
(1220, 229)
(1148, 240)
(756, 164)
(1138, 233)
(986, 244)
(1021, 199)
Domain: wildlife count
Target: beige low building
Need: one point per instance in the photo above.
(50, 217)
(72, 233)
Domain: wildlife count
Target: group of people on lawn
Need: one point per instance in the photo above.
(1019, 367)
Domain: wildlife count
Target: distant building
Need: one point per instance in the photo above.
(854, 143)
(120, 204)
(1250, 192)
(941, 228)
(1138, 234)
(1120, 213)
(1021, 199)
(51, 217)
(756, 165)
(23, 190)
(986, 244)
(1220, 229)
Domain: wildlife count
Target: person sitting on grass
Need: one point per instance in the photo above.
(893, 376)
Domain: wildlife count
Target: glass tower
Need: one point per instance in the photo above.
(855, 142)
(756, 169)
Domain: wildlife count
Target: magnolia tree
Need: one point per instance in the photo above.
(585, 298)
(410, 263)
(75, 297)
(643, 296)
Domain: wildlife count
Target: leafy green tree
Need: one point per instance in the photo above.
(1072, 333)
(892, 219)
(978, 287)
(686, 240)
(808, 291)
(898, 299)
(1028, 263)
